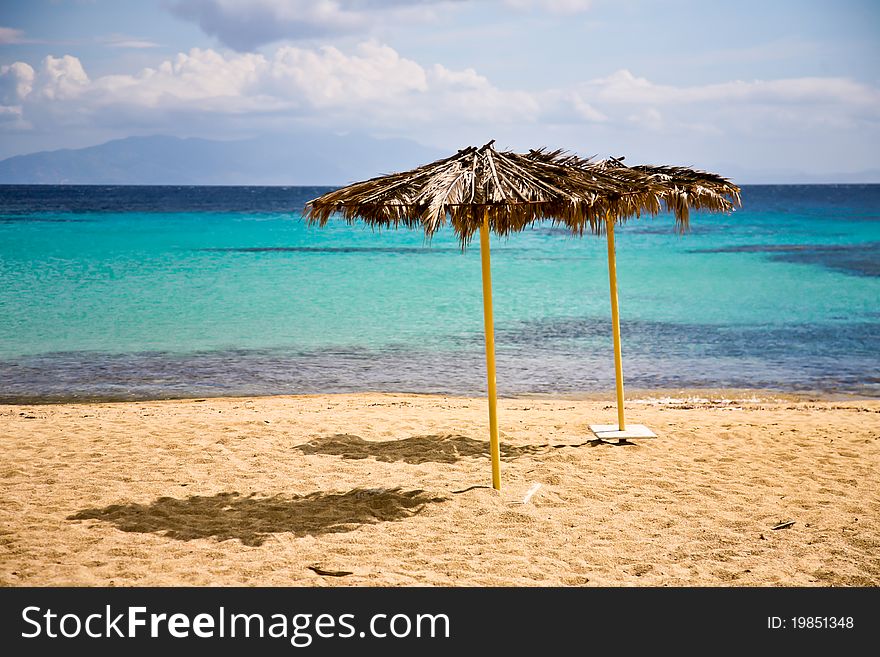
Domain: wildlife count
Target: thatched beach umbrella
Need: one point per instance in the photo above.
(680, 189)
(483, 189)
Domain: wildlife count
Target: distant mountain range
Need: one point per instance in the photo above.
(289, 159)
(303, 159)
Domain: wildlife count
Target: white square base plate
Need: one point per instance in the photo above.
(610, 432)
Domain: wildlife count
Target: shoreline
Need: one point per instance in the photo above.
(394, 490)
(635, 395)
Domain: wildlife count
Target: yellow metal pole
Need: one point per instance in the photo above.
(615, 320)
(489, 326)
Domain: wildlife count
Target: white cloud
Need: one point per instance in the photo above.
(246, 24)
(61, 78)
(786, 106)
(649, 118)
(16, 82)
(567, 106)
(330, 78)
(624, 87)
(121, 41)
(10, 35)
(373, 88)
(552, 6)
(467, 96)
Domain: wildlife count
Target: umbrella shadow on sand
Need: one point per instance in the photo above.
(251, 519)
(438, 448)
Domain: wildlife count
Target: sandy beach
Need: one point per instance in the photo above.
(391, 489)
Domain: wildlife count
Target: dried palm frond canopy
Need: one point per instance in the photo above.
(486, 190)
(513, 190)
(682, 188)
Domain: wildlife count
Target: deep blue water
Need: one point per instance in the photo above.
(152, 292)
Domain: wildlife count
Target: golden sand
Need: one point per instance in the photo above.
(377, 489)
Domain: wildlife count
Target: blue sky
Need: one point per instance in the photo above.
(744, 88)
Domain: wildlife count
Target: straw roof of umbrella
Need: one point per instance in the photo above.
(512, 190)
(683, 188)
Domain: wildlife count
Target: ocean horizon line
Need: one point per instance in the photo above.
(341, 184)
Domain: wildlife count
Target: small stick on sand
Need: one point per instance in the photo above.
(330, 573)
(465, 490)
(784, 525)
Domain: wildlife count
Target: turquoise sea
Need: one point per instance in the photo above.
(154, 292)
